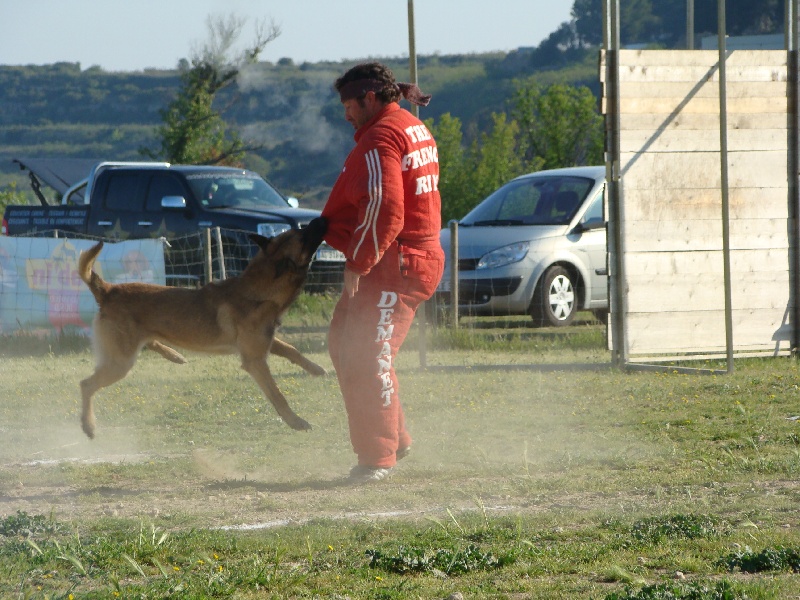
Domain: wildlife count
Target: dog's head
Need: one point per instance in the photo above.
(289, 254)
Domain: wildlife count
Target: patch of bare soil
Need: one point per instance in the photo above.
(78, 481)
(216, 495)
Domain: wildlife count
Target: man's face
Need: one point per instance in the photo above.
(358, 111)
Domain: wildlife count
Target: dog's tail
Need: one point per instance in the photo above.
(96, 284)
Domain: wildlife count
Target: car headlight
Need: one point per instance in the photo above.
(503, 256)
(272, 229)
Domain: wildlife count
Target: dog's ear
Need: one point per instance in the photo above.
(260, 240)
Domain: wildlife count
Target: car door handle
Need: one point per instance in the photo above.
(145, 223)
(104, 223)
(602, 271)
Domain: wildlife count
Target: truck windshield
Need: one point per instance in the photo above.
(237, 191)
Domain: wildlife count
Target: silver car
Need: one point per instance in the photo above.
(535, 246)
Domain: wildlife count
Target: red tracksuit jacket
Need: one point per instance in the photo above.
(367, 209)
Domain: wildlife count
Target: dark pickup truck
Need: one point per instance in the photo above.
(131, 200)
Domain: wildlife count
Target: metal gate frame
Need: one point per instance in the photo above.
(616, 218)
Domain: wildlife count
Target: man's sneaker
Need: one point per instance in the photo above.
(403, 452)
(363, 474)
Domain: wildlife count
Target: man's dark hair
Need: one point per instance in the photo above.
(374, 71)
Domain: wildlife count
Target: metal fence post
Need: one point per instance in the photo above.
(454, 271)
(617, 297)
(423, 333)
(220, 254)
(793, 161)
(208, 266)
(723, 156)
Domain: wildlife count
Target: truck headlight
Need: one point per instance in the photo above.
(503, 256)
(272, 229)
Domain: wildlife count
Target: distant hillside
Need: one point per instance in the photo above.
(290, 110)
(59, 110)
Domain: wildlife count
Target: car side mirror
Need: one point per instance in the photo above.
(293, 202)
(173, 202)
(589, 226)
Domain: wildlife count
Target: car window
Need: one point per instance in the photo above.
(545, 200)
(595, 214)
(227, 191)
(123, 192)
(520, 200)
(162, 184)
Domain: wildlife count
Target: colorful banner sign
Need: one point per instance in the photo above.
(41, 291)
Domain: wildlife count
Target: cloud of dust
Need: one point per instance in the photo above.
(518, 423)
(301, 123)
(215, 465)
(53, 444)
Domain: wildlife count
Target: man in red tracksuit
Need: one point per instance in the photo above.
(384, 213)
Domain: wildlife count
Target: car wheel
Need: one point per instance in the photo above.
(555, 300)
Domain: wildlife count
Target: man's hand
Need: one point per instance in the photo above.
(351, 282)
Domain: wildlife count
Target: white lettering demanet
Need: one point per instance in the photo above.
(385, 330)
(385, 333)
(388, 300)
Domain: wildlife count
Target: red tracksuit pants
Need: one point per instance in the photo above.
(365, 335)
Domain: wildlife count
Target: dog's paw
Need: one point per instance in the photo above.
(316, 370)
(298, 424)
(88, 429)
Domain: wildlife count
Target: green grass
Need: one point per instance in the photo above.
(538, 472)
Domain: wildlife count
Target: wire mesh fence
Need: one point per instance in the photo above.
(457, 317)
(61, 304)
(41, 290)
(209, 254)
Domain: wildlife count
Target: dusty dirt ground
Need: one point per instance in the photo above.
(253, 472)
(244, 506)
(147, 470)
(206, 488)
(210, 498)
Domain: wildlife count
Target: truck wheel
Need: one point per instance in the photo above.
(555, 300)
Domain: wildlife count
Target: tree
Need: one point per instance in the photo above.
(453, 176)
(664, 21)
(194, 131)
(588, 18)
(559, 125)
(743, 17)
(467, 176)
(11, 195)
(560, 47)
(638, 23)
(495, 159)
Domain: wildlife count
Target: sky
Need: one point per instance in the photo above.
(124, 35)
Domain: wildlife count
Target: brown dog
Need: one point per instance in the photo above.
(238, 315)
